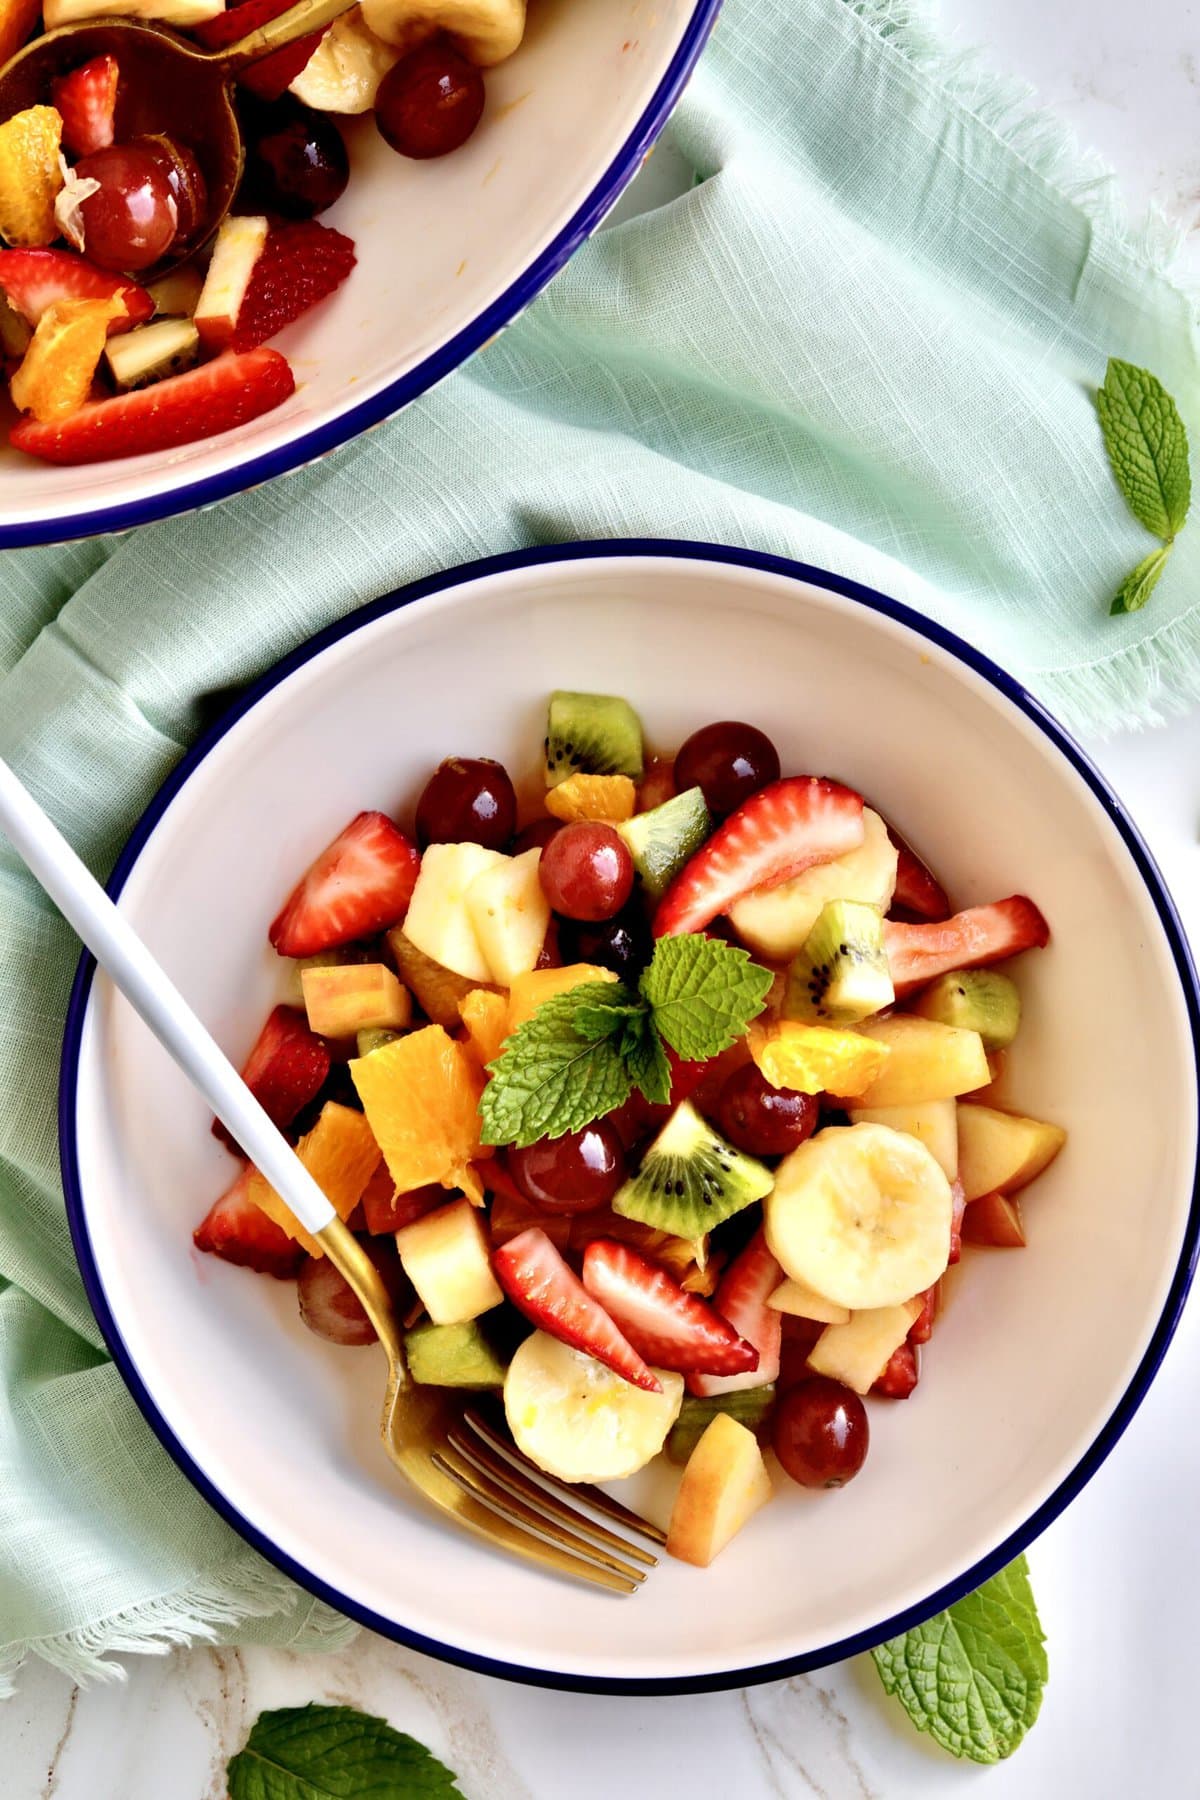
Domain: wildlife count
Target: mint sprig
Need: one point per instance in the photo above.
(973, 1676)
(1147, 448)
(583, 1052)
(335, 1753)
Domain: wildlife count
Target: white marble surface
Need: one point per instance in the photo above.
(1117, 1578)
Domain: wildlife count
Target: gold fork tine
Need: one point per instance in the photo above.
(583, 1490)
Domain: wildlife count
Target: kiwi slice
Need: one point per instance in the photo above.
(374, 1038)
(691, 1180)
(751, 1407)
(661, 841)
(452, 1356)
(592, 734)
(979, 1000)
(153, 351)
(841, 974)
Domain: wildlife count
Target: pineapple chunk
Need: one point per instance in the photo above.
(445, 1256)
(1003, 1150)
(438, 919)
(356, 997)
(724, 1484)
(528, 992)
(858, 1352)
(927, 1062)
(510, 915)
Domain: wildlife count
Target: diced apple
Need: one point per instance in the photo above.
(528, 992)
(445, 1256)
(858, 1352)
(803, 1302)
(724, 1484)
(996, 1220)
(355, 997)
(934, 1122)
(510, 914)
(239, 244)
(1002, 1150)
(928, 1061)
(438, 921)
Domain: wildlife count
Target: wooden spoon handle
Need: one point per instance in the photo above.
(296, 22)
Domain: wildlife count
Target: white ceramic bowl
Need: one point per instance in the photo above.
(448, 253)
(1039, 1360)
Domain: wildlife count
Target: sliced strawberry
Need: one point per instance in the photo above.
(901, 1375)
(35, 279)
(241, 1232)
(741, 1299)
(918, 889)
(958, 1208)
(361, 884)
(300, 264)
(286, 1069)
(921, 1329)
(917, 954)
(386, 1211)
(780, 831)
(272, 75)
(539, 1283)
(86, 100)
(668, 1327)
(799, 1337)
(228, 392)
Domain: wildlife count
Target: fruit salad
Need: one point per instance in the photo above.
(126, 326)
(663, 1105)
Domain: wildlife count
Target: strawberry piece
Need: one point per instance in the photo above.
(921, 1329)
(918, 889)
(274, 74)
(217, 397)
(741, 1299)
(539, 1283)
(86, 100)
(301, 263)
(799, 1337)
(35, 280)
(362, 883)
(287, 1068)
(901, 1375)
(917, 954)
(779, 832)
(958, 1208)
(240, 1232)
(386, 1211)
(665, 1325)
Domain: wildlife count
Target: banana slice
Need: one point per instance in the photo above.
(344, 71)
(860, 1214)
(487, 30)
(775, 921)
(577, 1419)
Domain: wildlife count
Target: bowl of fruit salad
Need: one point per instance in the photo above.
(754, 1046)
(223, 253)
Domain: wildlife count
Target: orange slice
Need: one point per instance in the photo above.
(815, 1059)
(528, 992)
(485, 1016)
(30, 175)
(610, 799)
(341, 1155)
(55, 377)
(421, 1096)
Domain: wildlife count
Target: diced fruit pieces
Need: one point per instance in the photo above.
(841, 974)
(356, 997)
(421, 1096)
(742, 1298)
(610, 799)
(183, 14)
(30, 175)
(958, 1207)
(329, 1305)
(971, 939)
(591, 734)
(803, 1302)
(487, 31)
(439, 920)
(539, 1284)
(994, 1219)
(661, 839)
(437, 990)
(33, 280)
(301, 263)
(344, 71)
(933, 1122)
(286, 1069)
(921, 1329)
(776, 921)
(86, 100)
(509, 914)
(156, 351)
(927, 1061)
(55, 377)
(485, 1015)
(359, 885)
(577, 1419)
(446, 1257)
(858, 1352)
(999, 1150)
(751, 1407)
(691, 1179)
(665, 1325)
(384, 1210)
(240, 242)
(240, 1232)
(177, 295)
(341, 1155)
(901, 1375)
(981, 1000)
(815, 1059)
(457, 1356)
(917, 889)
(724, 1484)
(528, 992)
(270, 75)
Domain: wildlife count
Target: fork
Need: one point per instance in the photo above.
(446, 1447)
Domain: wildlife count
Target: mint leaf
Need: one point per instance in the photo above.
(593, 1021)
(1138, 586)
(552, 1079)
(973, 1676)
(647, 1063)
(335, 1753)
(1147, 447)
(704, 994)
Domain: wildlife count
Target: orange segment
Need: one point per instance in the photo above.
(814, 1059)
(55, 377)
(528, 992)
(341, 1155)
(30, 175)
(611, 799)
(421, 1095)
(485, 1016)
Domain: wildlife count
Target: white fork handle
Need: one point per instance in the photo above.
(122, 954)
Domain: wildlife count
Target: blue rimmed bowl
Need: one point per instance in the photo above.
(1040, 1358)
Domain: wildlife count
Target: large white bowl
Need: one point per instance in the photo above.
(1040, 1358)
(448, 253)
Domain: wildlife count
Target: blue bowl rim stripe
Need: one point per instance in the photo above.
(435, 367)
(1012, 690)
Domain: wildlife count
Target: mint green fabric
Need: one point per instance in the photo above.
(867, 338)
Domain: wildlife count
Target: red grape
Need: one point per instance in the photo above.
(729, 761)
(189, 190)
(467, 800)
(296, 162)
(820, 1433)
(586, 871)
(572, 1173)
(328, 1304)
(761, 1119)
(429, 102)
(536, 836)
(622, 944)
(132, 218)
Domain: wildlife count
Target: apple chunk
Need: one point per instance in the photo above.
(511, 915)
(928, 1061)
(354, 997)
(996, 1220)
(999, 1150)
(934, 1122)
(803, 1302)
(724, 1484)
(446, 1257)
(858, 1352)
(438, 921)
(239, 244)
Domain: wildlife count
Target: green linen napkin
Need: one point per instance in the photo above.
(867, 338)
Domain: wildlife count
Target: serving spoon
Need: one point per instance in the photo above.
(168, 85)
(446, 1449)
